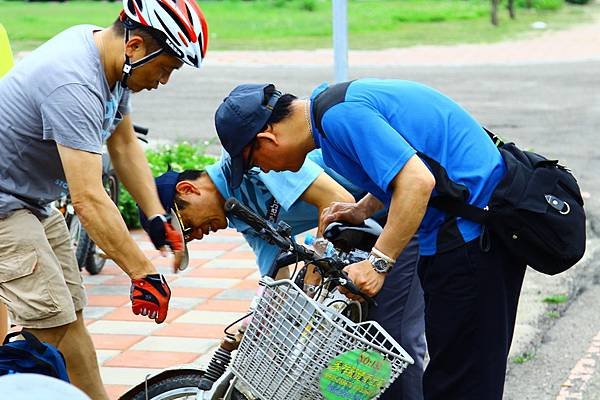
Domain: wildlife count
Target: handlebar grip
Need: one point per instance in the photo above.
(140, 129)
(355, 290)
(233, 206)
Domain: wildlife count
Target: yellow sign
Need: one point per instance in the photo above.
(6, 57)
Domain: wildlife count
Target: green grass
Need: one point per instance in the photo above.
(306, 24)
(556, 299)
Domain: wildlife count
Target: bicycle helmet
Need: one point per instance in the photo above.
(179, 25)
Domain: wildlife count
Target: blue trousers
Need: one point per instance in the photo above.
(400, 310)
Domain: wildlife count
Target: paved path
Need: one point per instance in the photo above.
(579, 43)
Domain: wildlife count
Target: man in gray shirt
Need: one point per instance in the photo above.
(58, 107)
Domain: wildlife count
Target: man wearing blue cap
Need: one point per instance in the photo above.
(391, 138)
(298, 198)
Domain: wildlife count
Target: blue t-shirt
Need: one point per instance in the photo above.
(275, 196)
(372, 127)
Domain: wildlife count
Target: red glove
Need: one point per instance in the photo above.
(150, 296)
(162, 233)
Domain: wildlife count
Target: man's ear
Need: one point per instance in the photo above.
(186, 187)
(269, 136)
(135, 48)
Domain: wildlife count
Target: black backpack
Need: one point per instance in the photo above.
(536, 210)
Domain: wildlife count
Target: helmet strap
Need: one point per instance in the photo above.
(128, 67)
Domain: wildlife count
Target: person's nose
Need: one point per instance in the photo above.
(164, 79)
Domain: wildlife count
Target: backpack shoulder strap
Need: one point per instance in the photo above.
(459, 208)
(455, 205)
(328, 98)
(33, 341)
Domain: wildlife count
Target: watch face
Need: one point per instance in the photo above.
(379, 264)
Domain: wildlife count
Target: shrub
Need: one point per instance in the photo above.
(179, 157)
(550, 5)
(308, 5)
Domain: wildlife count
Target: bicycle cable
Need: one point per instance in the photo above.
(235, 322)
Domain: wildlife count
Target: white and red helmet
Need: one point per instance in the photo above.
(181, 21)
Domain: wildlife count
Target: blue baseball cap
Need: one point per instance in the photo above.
(240, 118)
(165, 185)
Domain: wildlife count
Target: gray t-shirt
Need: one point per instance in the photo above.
(58, 94)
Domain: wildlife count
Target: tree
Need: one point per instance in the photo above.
(494, 11)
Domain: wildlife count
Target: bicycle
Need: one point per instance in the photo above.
(292, 339)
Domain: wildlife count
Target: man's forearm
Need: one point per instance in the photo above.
(103, 222)
(133, 171)
(411, 192)
(404, 218)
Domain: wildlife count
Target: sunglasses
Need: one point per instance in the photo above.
(187, 232)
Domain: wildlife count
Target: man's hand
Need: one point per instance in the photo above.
(150, 296)
(164, 236)
(349, 212)
(365, 278)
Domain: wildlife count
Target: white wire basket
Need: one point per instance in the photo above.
(291, 338)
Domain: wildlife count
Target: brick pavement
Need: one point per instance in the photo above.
(215, 290)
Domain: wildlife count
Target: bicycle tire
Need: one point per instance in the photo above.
(79, 240)
(112, 186)
(94, 262)
(175, 387)
(184, 386)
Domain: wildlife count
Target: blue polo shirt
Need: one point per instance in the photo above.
(369, 128)
(276, 197)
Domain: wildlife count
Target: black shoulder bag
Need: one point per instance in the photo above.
(536, 210)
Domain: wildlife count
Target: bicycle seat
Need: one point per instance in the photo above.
(347, 237)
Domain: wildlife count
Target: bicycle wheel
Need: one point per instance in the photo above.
(183, 386)
(79, 240)
(94, 261)
(180, 387)
(111, 185)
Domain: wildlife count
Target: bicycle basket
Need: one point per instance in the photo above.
(292, 338)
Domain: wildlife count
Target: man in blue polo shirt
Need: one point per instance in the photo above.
(298, 198)
(404, 143)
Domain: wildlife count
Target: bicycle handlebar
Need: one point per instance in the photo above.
(331, 266)
(233, 206)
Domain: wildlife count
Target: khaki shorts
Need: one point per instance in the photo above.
(40, 281)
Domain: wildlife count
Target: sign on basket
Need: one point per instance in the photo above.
(355, 375)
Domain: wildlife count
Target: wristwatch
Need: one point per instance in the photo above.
(380, 264)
